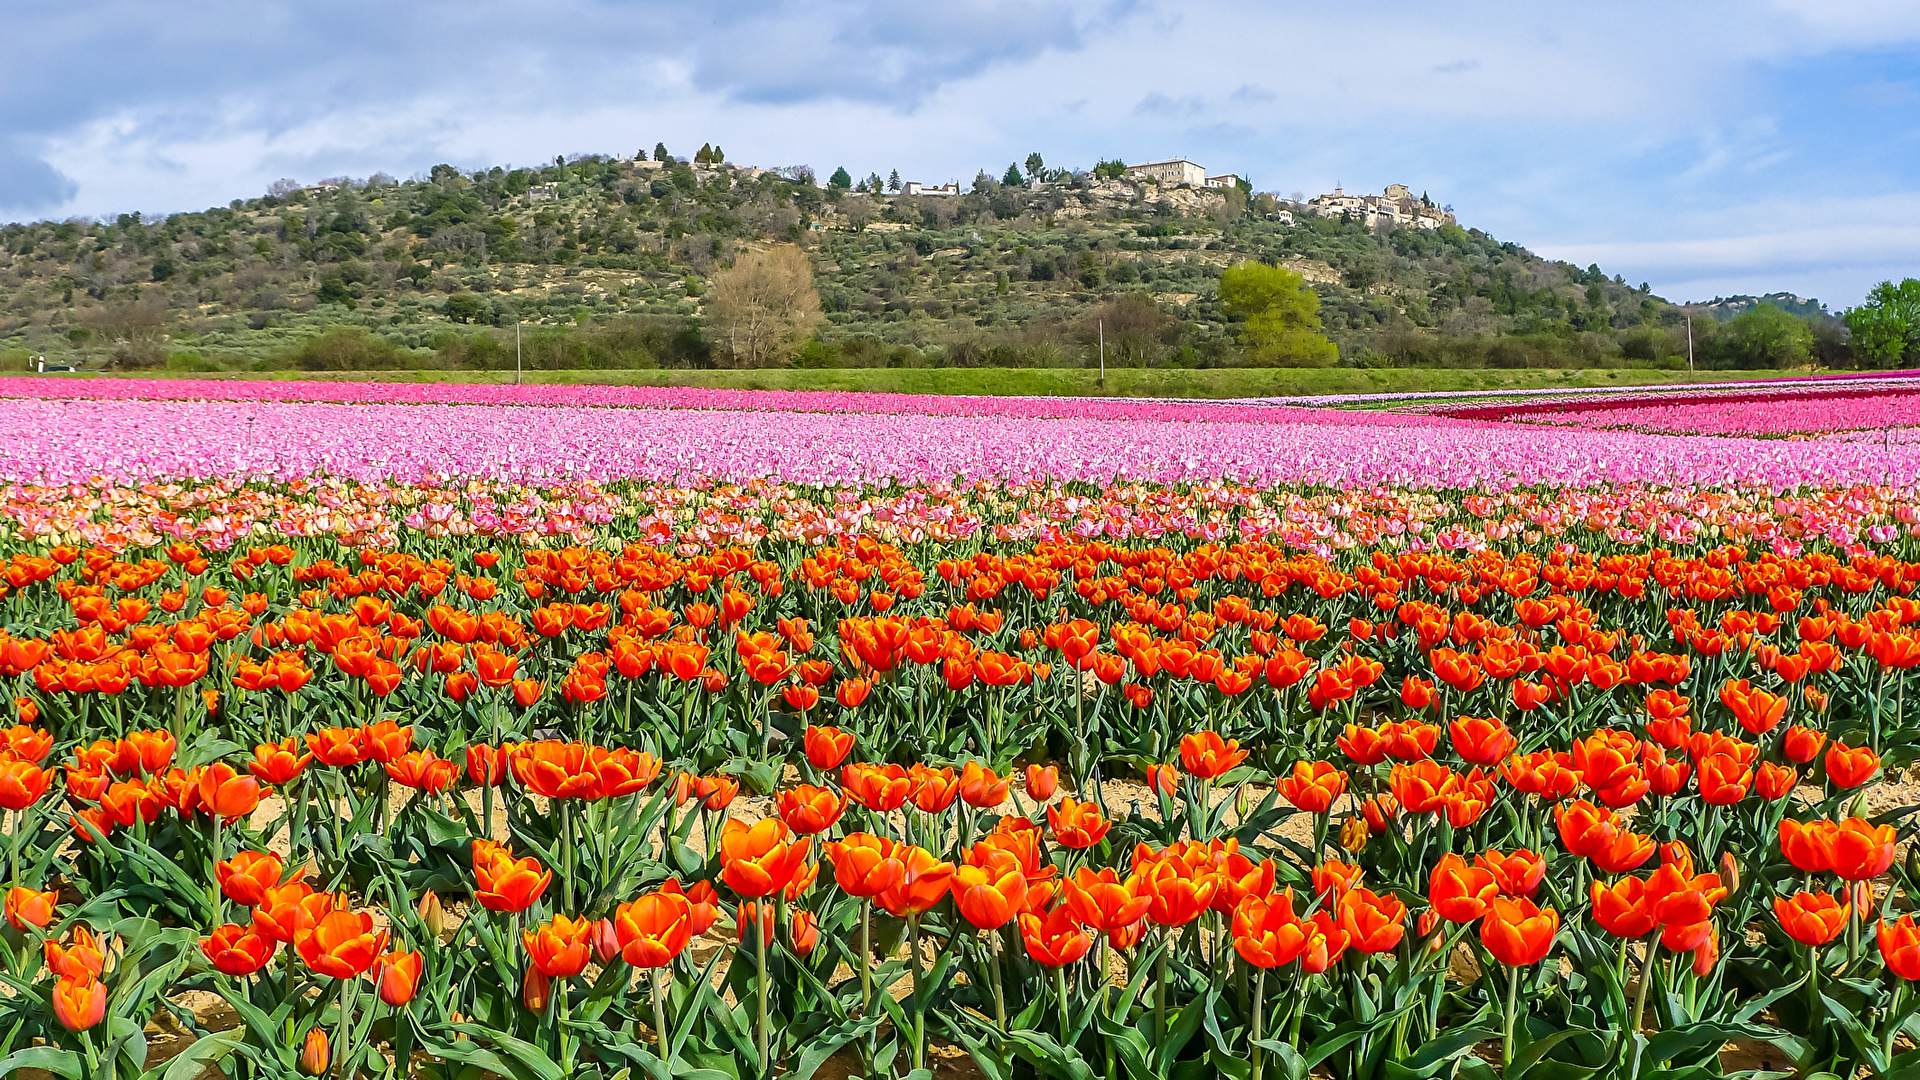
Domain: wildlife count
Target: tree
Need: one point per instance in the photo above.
(282, 188)
(1281, 316)
(840, 179)
(873, 183)
(765, 306)
(893, 180)
(1768, 337)
(660, 151)
(1109, 170)
(1886, 328)
(1012, 178)
(719, 155)
(1036, 167)
(982, 183)
(704, 156)
(465, 307)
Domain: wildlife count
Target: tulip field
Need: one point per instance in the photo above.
(550, 732)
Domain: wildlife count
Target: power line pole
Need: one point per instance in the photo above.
(516, 353)
(1689, 342)
(1103, 353)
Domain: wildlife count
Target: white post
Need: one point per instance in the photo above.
(1103, 353)
(1689, 342)
(516, 354)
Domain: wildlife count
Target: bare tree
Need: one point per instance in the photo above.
(282, 188)
(765, 306)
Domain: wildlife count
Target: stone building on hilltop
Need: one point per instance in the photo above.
(1398, 206)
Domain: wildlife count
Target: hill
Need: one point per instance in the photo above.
(606, 263)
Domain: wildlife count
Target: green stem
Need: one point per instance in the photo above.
(1160, 990)
(1513, 998)
(919, 1003)
(660, 1018)
(762, 1029)
(1060, 992)
(1646, 980)
(1893, 1021)
(1259, 1009)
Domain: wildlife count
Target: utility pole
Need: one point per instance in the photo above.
(516, 352)
(1103, 353)
(1689, 342)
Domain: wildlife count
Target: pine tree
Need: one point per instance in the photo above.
(719, 155)
(1012, 179)
(893, 180)
(704, 156)
(660, 151)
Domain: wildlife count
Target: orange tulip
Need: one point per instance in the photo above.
(1900, 947)
(827, 747)
(397, 974)
(980, 788)
(1812, 918)
(1802, 744)
(1861, 850)
(506, 884)
(342, 944)
(1517, 874)
(81, 955)
(559, 948)
(1481, 740)
(933, 789)
(1458, 892)
(1102, 902)
(287, 912)
(1850, 767)
(991, 892)
(1808, 847)
(1042, 782)
(1757, 710)
(1313, 786)
(1054, 941)
(923, 881)
(880, 788)
(655, 928)
(238, 950)
(808, 809)
(315, 1057)
(79, 1003)
(336, 746)
(21, 783)
(277, 763)
(1206, 756)
(1077, 824)
(757, 860)
(247, 876)
(26, 907)
(1373, 923)
(227, 794)
(865, 865)
(1517, 933)
(1622, 908)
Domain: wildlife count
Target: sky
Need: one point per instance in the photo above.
(1707, 148)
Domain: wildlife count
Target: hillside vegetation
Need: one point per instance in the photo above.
(608, 263)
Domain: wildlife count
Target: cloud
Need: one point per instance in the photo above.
(1562, 126)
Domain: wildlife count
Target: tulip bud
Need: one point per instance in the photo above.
(606, 941)
(314, 1054)
(536, 991)
(1354, 834)
(1729, 872)
(804, 932)
(1042, 782)
(457, 1019)
(1913, 862)
(433, 914)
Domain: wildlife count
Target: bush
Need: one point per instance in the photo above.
(347, 348)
